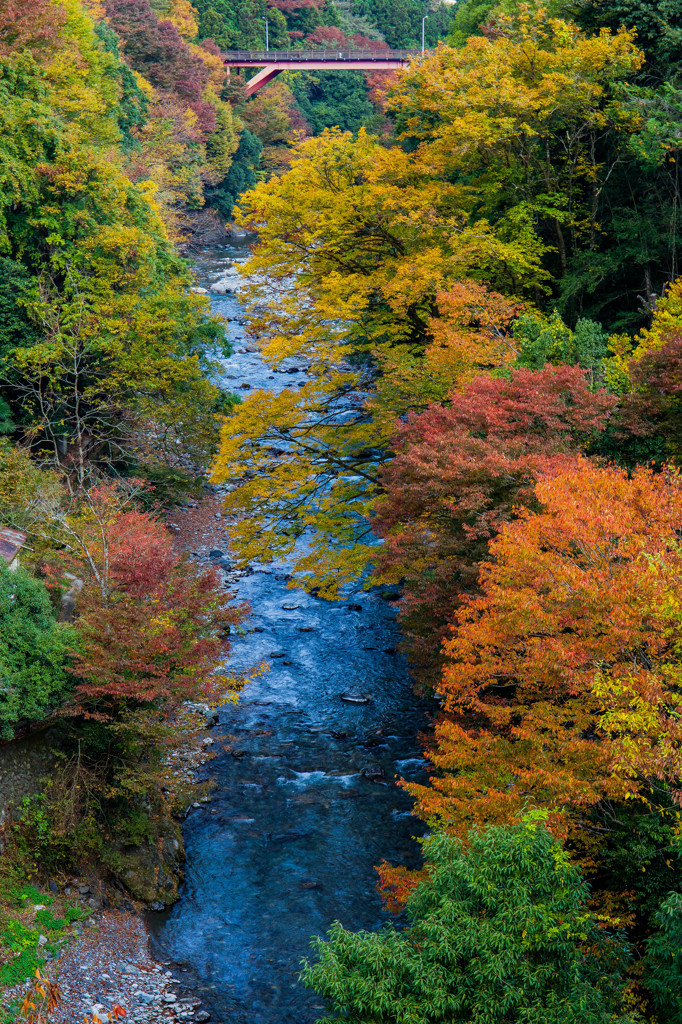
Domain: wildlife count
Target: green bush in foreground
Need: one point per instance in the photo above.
(33, 649)
(497, 932)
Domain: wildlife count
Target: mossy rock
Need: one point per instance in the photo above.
(152, 871)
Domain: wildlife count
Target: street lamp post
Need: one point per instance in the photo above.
(423, 27)
(267, 41)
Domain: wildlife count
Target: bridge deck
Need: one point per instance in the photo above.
(273, 62)
(259, 58)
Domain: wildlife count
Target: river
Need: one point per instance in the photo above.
(305, 803)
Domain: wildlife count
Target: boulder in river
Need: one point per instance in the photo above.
(355, 698)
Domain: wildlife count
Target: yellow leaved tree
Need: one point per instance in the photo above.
(356, 243)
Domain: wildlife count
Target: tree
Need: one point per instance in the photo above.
(34, 649)
(368, 237)
(152, 627)
(470, 18)
(544, 339)
(498, 930)
(399, 21)
(152, 632)
(460, 471)
(548, 149)
(659, 30)
(157, 50)
(34, 27)
(662, 968)
(328, 99)
(240, 177)
(273, 117)
(651, 413)
(561, 681)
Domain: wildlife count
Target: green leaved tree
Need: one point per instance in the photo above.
(33, 651)
(498, 931)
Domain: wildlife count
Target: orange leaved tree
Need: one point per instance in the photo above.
(562, 682)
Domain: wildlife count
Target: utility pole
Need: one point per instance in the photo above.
(267, 41)
(423, 28)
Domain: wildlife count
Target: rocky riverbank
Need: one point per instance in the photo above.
(111, 966)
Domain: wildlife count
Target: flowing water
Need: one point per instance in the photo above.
(305, 803)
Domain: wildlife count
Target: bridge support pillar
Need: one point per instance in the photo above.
(264, 76)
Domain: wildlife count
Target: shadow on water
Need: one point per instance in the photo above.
(305, 803)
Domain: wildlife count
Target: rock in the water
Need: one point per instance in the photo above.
(290, 607)
(355, 698)
(202, 1016)
(278, 654)
(225, 286)
(354, 607)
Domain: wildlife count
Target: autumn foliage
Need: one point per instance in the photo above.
(33, 27)
(459, 473)
(561, 684)
(653, 408)
(152, 626)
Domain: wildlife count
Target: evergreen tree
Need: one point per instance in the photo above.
(663, 963)
(333, 99)
(400, 21)
(240, 177)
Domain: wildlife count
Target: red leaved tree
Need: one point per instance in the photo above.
(153, 628)
(653, 409)
(33, 26)
(460, 471)
(157, 50)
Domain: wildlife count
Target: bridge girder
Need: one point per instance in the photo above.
(313, 60)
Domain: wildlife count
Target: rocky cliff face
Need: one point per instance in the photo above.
(152, 872)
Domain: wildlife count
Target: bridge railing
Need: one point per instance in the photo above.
(262, 57)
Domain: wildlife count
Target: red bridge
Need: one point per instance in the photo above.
(273, 62)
